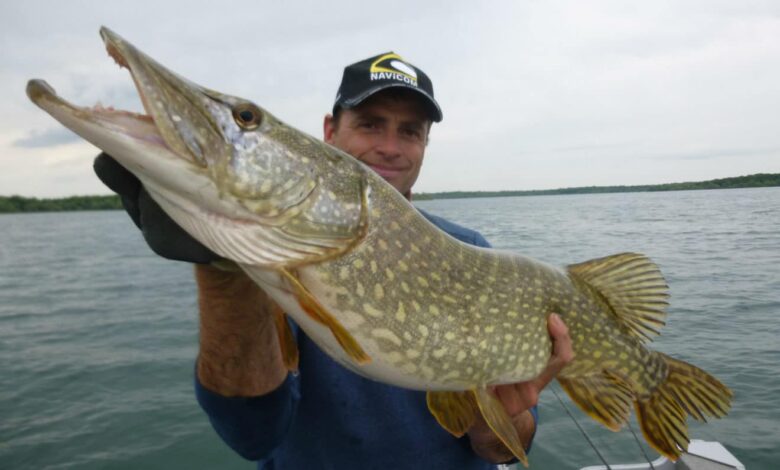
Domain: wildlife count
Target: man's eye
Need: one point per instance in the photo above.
(412, 133)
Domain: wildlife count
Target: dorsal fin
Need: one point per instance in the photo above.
(633, 286)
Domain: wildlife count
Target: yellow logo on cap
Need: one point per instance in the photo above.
(393, 67)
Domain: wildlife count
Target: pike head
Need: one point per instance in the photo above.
(243, 183)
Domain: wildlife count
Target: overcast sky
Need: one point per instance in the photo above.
(535, 94)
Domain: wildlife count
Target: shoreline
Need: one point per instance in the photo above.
(21, 204)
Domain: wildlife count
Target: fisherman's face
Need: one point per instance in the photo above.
(387, 133)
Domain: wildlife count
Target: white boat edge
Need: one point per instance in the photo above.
(701, 455)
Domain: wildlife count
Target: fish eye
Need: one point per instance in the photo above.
(247, 116)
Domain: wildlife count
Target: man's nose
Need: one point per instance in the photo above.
(389, 145)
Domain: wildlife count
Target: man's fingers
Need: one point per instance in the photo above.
(166, 237)
(512, 398)
(556, 326)
(562, 352)
(115, 176)
(521, 396)
(548, 374)
(121, 181)
(559, 333)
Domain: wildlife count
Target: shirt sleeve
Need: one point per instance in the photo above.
(252, 426)
(480, 241)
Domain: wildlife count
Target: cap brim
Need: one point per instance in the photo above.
(434, 111)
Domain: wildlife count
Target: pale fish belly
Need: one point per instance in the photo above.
(382, 367)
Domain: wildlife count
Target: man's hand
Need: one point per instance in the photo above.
(519, 398)
(161, 233)
(239, 349)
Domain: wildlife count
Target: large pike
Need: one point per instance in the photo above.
(376, 285)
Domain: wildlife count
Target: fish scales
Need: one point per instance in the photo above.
(377, 286)
(483, 313)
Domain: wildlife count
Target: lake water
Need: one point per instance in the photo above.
(98, 336)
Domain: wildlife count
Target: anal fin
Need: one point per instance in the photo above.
(316, 311)
(500, 422)
(603, 397)
(455, 411)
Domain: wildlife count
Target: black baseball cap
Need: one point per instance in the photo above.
(363, 79)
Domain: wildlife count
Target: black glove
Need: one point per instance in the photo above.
(161, 233)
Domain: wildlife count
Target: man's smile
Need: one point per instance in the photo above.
(386, 171)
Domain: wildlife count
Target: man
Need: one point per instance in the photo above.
(327, 416)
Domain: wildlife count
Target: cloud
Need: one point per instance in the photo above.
(535, 94)
(47, 138)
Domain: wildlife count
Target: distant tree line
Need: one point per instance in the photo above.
(751, 181)
(98, 203)
(73, 203)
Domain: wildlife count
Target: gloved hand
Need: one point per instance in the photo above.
(161, 233)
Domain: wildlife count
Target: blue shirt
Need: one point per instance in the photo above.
(327, 417)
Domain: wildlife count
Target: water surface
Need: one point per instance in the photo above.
(98, 336)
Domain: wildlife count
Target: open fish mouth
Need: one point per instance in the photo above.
(179, 115)
(138, 126)
(217, 163)
(165, 146)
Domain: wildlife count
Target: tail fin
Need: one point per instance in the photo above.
(687, 390)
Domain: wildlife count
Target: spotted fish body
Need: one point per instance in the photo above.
(377, 286)
(436, 314)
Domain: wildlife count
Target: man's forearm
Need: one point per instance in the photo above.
(239, 347)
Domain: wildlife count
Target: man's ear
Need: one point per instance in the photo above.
(329, 125)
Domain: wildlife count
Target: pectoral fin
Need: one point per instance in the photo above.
(455, 411)
(316, 311)
(286, 339)
(500, 422)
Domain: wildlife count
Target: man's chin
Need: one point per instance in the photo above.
(396, 178)
(396, 183)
